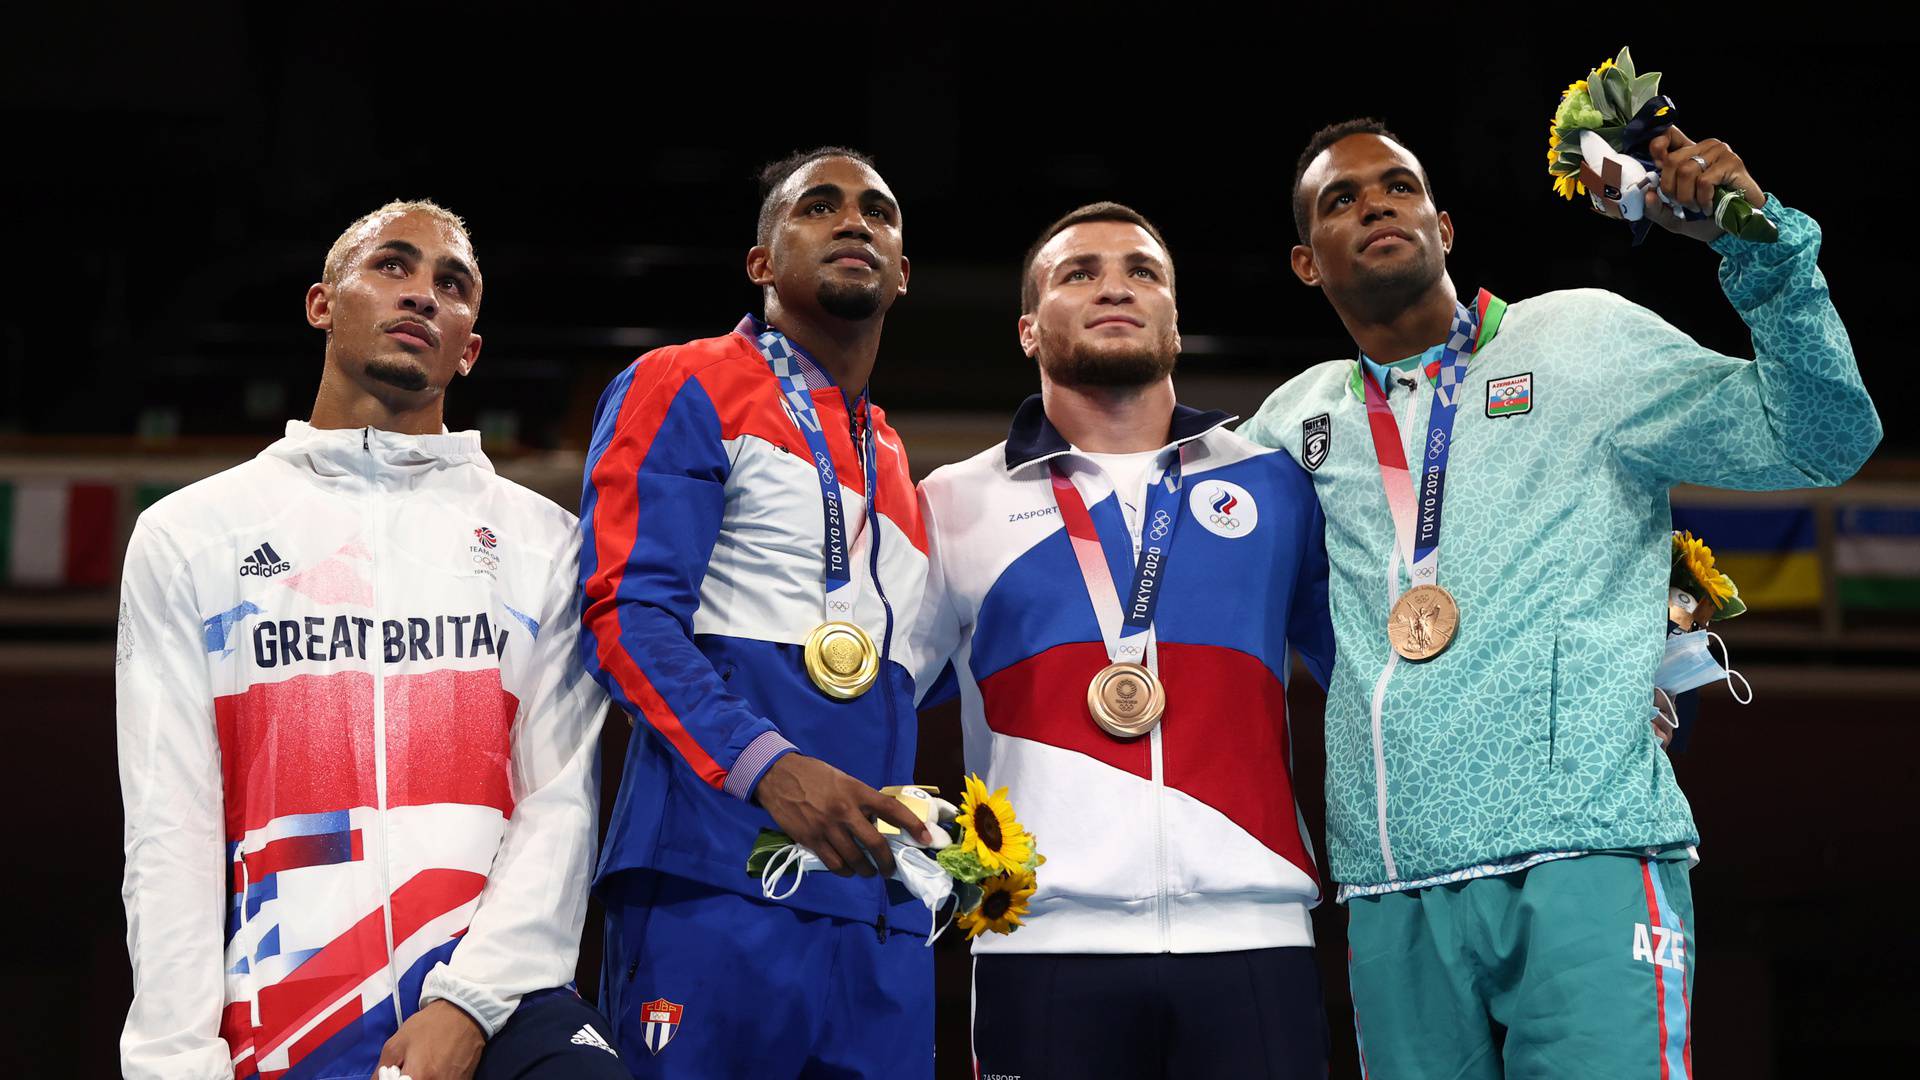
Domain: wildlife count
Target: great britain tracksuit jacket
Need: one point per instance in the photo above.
(1186, 840)
(702, 570)
(357, 752)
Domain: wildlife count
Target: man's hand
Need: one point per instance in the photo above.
(1666, 718)
(440, 1042)
(1689, 171)
(829, 812)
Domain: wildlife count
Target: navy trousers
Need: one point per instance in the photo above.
(553, 1035)
(1149, 1016)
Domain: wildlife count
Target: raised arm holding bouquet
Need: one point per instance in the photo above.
(1613, 139)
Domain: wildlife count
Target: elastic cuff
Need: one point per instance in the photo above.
(1728, 244)
(442, 985)
(485, 1032)
(763, 751)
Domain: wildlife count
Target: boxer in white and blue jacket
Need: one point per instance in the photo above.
(1169, 934)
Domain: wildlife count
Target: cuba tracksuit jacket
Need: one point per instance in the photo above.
(703, 571)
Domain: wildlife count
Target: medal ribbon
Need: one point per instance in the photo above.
(840, 591)
(1125, 629)
(1416, 518)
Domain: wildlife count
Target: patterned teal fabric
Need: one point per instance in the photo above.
(1531, 733)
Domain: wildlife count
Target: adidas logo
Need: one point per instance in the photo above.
(264, 562)
(586, 1036)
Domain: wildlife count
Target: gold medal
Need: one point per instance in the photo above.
(1422, 622)
(1126, 700)
(841, 660)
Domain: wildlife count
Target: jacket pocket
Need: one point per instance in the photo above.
(1553, 698)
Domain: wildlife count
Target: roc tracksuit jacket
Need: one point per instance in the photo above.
(357, 751)
(1529, 735)
(1188, 839)
(702, 569)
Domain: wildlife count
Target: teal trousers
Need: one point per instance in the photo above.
(1573, 968)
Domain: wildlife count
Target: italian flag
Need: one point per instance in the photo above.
(59, 533)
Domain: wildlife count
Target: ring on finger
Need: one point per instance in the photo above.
(1700, 161)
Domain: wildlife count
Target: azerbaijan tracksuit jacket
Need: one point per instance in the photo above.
(703, 571)
(1188, 839)
(357, 752)
(1529, 735)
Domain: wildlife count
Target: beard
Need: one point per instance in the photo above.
(399, 373)
(850, 301)
(1110, 365)
(1384, 293)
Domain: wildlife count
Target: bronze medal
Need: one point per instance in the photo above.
(1126, 700)
(1423, 622)
(841, 660)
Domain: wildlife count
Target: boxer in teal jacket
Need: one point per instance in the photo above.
(1507, 833)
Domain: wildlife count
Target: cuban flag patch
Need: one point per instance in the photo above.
(662, 1018)
(1511, 396)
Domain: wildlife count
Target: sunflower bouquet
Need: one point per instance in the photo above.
(1598, 146)
(1697, 592)
(992, 863)
(980, 854)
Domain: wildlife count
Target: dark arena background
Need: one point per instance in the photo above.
(174, 179)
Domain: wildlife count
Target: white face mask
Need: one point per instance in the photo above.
(912, 866)
(929, 884)
(1688, 664)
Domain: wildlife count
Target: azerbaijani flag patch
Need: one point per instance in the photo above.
(1511, 396)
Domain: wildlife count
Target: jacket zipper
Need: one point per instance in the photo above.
(860, 436)
(1406, 430)
(1163, 914)
(380, 727)
(1161, 871)
(253, 984)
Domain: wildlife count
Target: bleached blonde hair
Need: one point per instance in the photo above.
(342, 248)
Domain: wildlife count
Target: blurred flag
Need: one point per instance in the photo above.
(1771, 552)
(59, 533)
(1877, 557)
(145, 495)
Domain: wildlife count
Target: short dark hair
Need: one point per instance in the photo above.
(776, 173)
(1324, 138)
(1100, 211)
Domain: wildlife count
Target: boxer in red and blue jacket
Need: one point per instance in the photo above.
(706, 520)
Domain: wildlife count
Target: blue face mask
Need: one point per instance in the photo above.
(1688, 665)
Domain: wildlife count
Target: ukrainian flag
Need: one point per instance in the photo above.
(1771, 552)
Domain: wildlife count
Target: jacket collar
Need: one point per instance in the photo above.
(1033, 437)
(811, 373)
(339, 451)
